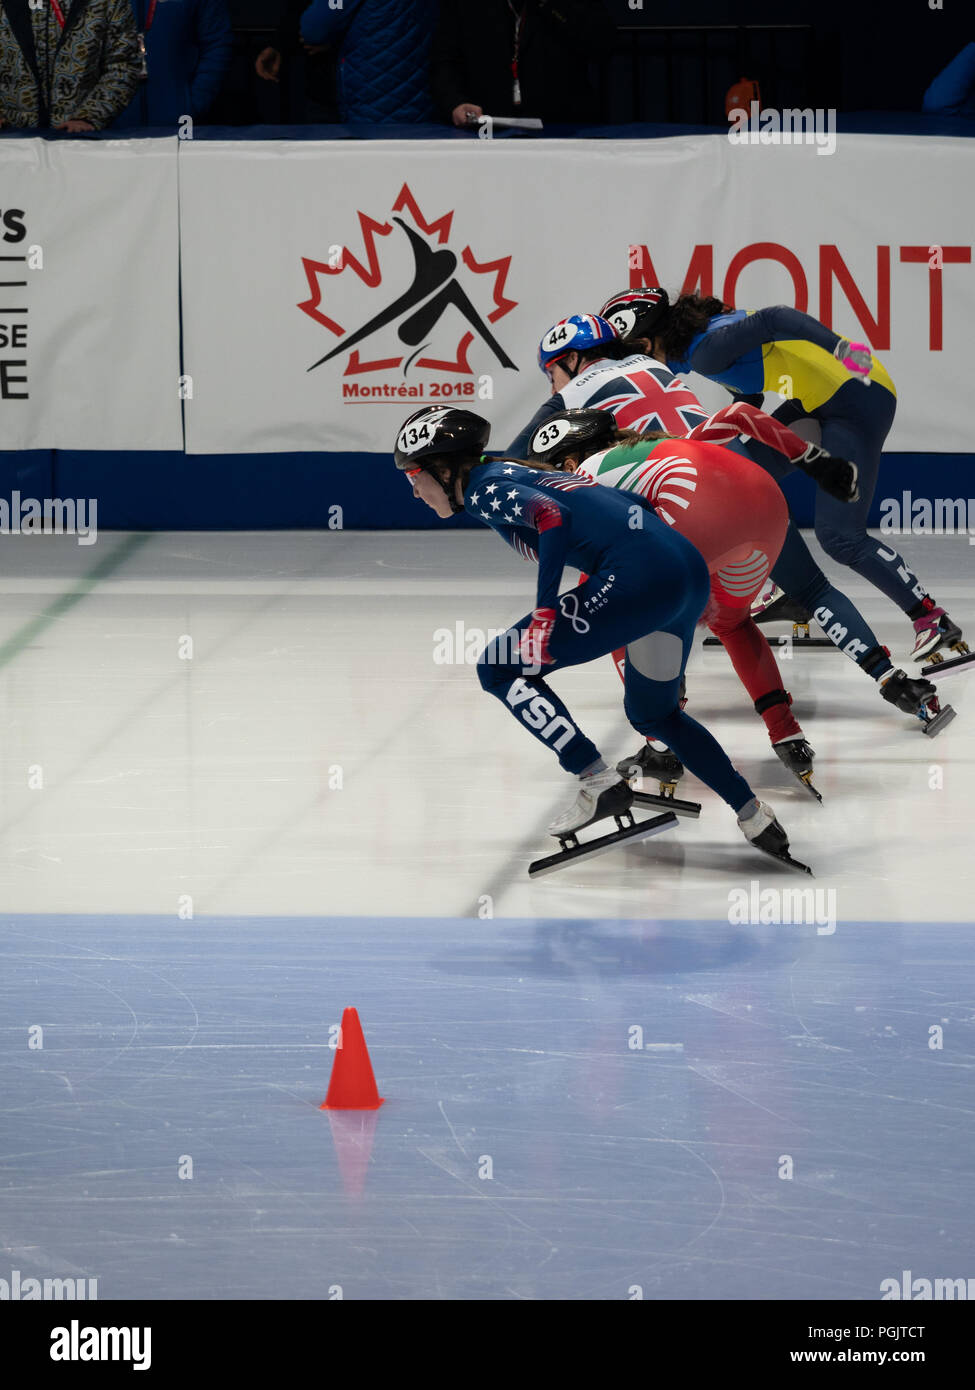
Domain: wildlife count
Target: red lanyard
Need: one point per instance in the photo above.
(59, 14)
(519, 25)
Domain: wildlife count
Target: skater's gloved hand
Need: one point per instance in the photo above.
(838, 477)
(856, 357)
(534, 640)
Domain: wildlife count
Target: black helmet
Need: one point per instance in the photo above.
(437, 430)
(435, 433)
(636, 313)
(585, 431)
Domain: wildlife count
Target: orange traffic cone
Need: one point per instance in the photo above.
(352, 1085)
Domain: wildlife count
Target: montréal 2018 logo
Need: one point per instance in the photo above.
(413, 309)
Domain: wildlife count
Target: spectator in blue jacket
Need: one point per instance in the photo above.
(952, 93)
(188, 45)
(383, 49)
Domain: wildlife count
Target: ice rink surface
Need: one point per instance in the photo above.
(598, 1081)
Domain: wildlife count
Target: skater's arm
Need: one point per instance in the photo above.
(741, 418)
(506, 497)
(718, 349)
(553, 523)
(835, 476)
(519, 447)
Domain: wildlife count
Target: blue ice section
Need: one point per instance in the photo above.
(528, 1148)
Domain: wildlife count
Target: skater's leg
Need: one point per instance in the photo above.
(841, 527)
(639, 590)
(504, 674)
(654, 674)
(757, 669)
(796, 572)
(855, 426)
(801, 579)
(654, 667)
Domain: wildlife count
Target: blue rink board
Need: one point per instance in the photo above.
(502, 1046)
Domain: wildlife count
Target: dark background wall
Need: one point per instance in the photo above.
(859, 56)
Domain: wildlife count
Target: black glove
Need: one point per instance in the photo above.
(837, 477)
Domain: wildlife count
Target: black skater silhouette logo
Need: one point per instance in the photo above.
(433, 282)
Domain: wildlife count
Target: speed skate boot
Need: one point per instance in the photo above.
(795, 754)
(762, 830)
(777, 607)
(934, 630)
(600, 794)
(651, 761)
(917, 697)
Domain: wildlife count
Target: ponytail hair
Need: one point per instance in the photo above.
(687, 317)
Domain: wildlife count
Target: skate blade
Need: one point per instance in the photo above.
(786, 860)
(937, 669)
(936, 657)
(667, 803)
(933, 727)
(802, 644)
(642, 830)
(809, 786)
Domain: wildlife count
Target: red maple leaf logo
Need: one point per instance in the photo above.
(419, 307)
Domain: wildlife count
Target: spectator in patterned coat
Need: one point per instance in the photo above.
(70, 65)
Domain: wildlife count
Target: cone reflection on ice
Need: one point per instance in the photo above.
(353, 1132)
(352, 1086)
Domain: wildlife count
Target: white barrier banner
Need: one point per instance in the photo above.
(331, 288)
(89, 295)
